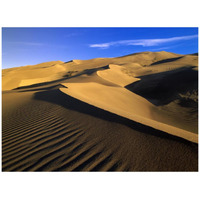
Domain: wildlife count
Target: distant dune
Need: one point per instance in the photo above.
(132, 113)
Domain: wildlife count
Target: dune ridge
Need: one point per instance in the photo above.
(111, 99)
(131, 113)
(115, 74)
(12, 77)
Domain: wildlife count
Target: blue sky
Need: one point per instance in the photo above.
(27, 46)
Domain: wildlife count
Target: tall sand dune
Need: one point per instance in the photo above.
(132, 113)
(127, 104)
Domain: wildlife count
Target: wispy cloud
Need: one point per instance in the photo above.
(143, 42)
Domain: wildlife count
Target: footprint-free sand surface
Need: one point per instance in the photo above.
(133, 113)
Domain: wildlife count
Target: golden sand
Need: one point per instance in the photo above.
(131, 113)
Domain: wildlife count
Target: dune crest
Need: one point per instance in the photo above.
(137, 112)
(115, 74)
(124, 103)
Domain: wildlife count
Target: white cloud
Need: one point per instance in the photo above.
(104, 45)
(143, 42)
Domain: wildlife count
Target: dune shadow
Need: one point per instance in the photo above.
(166, 60)
(70, 103)
(165, 87)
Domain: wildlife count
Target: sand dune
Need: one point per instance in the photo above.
(115, 75)
(127, 104)
(132, 113)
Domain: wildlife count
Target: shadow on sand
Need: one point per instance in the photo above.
(165, 87)
(68, 102)
(166, 60)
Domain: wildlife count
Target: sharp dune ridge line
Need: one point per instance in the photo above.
(112, 99)
(132, 113)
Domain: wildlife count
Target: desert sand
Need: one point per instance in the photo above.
(133, 113)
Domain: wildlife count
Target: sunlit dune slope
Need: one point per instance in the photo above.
(14, 76)
(147, 87)
(115, 75)
(120, 101)
(132, 113)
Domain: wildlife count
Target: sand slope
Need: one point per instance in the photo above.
(13, 76)
(46, 130)
(127, 104)
(132, 113)
(115, 75)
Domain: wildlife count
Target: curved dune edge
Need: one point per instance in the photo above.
(86, 92)
(113, 73)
